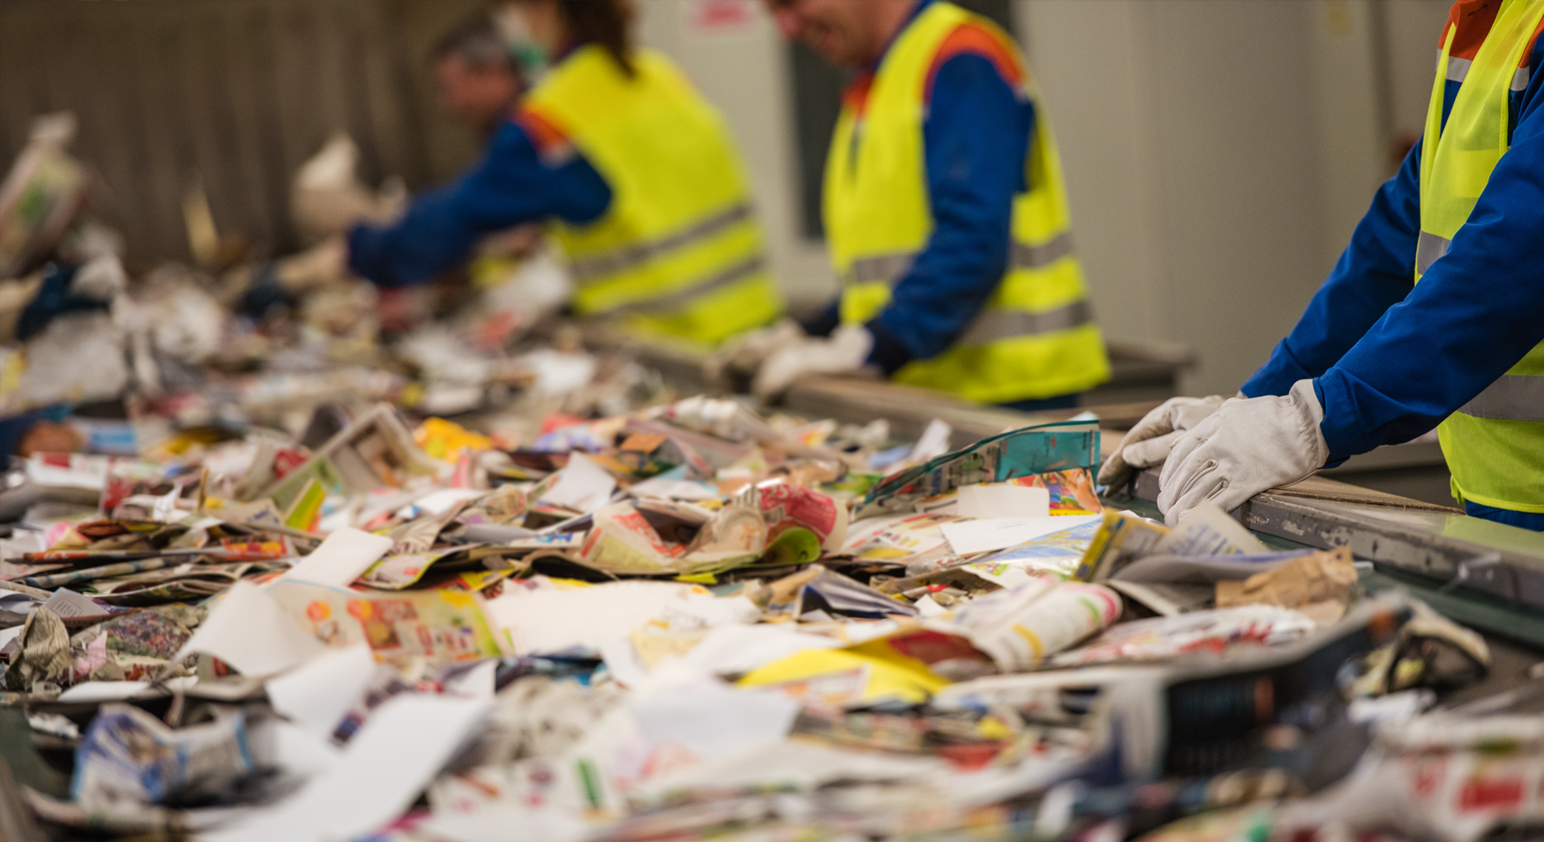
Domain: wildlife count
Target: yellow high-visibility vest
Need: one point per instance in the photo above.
(1036, 336)
(1494, 445)
(679, 250)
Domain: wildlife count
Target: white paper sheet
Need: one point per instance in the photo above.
(933, 443)
(104, 691)
(1003, 500)
(583, 485)
(553, 621)
(479, 682)
(928, 607)
(1208, 530)
(439, 501)
(674, 489)
(341, 558)
(69, 604)
(710, 718)
(735, 649)
(623, 662)
(297, 751)
(18, 602)
(248, 630)
(316, 695)
(117, 691)
(387, 764)
(977, 536)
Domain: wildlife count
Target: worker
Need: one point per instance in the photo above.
(60, 275)
(478, 77)
(1432, 317)
(478, 81)
(636, 171)
(945, 214)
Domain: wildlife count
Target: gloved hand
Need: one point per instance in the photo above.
(326, 198)
(59, 294)
(100, 279)
(737, 360)
(253, 291)
(1149, 442)
(1247, 446)
(318, 266)
(845, 351)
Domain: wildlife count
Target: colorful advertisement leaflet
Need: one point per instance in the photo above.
(1032, 450)
(1072, 491)
(441, 626)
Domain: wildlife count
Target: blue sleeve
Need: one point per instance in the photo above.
(510, 185)
(976, 139)
(1476, 312)
(1375, 272)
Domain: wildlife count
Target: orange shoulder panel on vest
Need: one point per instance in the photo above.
(551, 142)
(989, 42)
(1474, 18)
(855, 95)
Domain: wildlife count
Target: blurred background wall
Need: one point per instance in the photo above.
(1218, 152)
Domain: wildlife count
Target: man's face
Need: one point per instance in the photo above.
(479, 95)
(838, 30)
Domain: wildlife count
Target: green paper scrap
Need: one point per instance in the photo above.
(794, 546)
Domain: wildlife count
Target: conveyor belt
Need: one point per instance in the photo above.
(1438, 545)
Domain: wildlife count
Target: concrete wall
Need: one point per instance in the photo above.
(1218, 152)
(1218, 155)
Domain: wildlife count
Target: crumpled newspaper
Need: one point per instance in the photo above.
(45, 654)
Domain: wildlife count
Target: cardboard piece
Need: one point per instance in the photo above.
(1312, 580)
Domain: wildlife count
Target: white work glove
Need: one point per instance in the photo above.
(1150, 441)
(318, 266)
(738, 359)
(102, 279)
(846, 351)
(1247, 446)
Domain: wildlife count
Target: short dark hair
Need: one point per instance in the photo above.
(478, 42)
(608, 23)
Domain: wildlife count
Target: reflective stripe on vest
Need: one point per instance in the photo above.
(1458, 71)
(890, 268)
(1494, 444)
(631, 256)
(995, 325)
(1033, 337)
(676, 300)
(1513, 397)
(1038, 257)
(678, 250)
(1429, 247)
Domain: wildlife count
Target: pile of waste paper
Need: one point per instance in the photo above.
(286, 557)
(692, 621)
